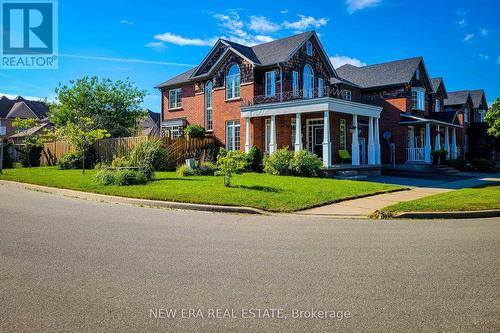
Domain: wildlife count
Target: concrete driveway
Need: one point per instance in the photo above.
(75, 265)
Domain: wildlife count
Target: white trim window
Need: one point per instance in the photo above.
(295, 83)
(437, 106)
(480, 116)
(321, 87)
(233, 82)
(418, 98)
(347, 95)
(175, 99)
(233, 135)
(309, 48)
(270, 84)
(173, 132)
(343, 134)
(208, 106)
(308, 81)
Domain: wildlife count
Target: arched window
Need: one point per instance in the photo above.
(208, 105)
(308, 82)
(233, 82)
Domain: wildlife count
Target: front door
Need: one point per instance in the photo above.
(318, 140)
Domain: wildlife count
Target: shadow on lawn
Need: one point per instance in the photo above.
(259, 188)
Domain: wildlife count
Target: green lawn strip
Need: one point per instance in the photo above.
(483, 197)
(263, 191)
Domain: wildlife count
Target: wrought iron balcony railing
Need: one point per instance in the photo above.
(295, 95)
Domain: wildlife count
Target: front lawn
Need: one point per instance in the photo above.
(264, 191)
(477, 198)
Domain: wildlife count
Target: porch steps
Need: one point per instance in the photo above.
(349, 175)
(443, 169)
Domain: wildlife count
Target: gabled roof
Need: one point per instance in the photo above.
(23, 107)
(380, 75)
(477, 98)
(155, 116)
(5, 106)
(457, 98)
(262, 55)
(447, 117)
(436, 82)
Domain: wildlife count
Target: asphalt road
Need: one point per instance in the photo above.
(68, 264)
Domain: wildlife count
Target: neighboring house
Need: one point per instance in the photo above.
(39, 129)
(479, 105)
(460, 102)
(284, 93)
(412, 121)
(150, 126)
(21, 108)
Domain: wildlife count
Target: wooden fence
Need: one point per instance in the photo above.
(107, 149)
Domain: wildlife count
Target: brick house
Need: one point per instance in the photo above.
(284, 93)
(20, 107)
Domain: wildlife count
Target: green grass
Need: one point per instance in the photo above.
(267, 192)
(477, 198)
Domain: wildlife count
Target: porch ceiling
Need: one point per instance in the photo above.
(311, 105)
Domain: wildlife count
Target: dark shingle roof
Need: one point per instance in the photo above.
(263, 54)
(477, 97)
(155, 116)
(436, 82)
(447, 117)
(39, 108)
(385, 74)
(5, 106)
(457, 98)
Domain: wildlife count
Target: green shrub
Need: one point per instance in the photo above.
(483, 165)
(130, 177)
(150, 156)
(121, 162)
(279, 162)
(193, 131)
(17, 165)
(105, 177)
(306, 164)
(255, 159)
(73, 160)
(207, 169)
(185, 171)
(229, 163)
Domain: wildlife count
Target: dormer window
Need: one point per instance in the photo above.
(309, 48)
(418, 98)
(417, 74)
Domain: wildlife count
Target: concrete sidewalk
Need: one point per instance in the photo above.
(363, 207)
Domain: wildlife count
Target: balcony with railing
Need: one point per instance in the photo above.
(416, 154)
(301, 94)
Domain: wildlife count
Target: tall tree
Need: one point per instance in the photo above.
(113, 106)
(493, 119)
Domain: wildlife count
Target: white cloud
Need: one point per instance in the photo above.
(484, 32)
(156, 45)
(468, 37)
(232, 23)
(461, 22)
(484, 56)
(126, 22)
(151, 62)
(339, 60)
(179, 40)
(305, 22)
(262, 24)
(355, 5)
(284, 11)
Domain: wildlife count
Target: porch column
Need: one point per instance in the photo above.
(327, 145)
(377, 143)
(247, 135)
(454, 143)
(298, 132)
(428, 143)
(437, 143)
(411, 144)
(272, 136)
(355, 142)
(371, 144)
(447, 142)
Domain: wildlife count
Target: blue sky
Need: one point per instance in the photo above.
(151, 41)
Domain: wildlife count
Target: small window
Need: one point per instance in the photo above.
(348, 95)
(309, 48)
(175, 98)
(438, 105)
(418, 99)
(173, 132)
(343, 133)
(417, 74)
(270, 83)
(233, 135)
(321, 87)
(295, 83)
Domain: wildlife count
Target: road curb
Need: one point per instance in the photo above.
(449, 215)
(138, 202)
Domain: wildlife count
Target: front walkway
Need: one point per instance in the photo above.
(420, 188)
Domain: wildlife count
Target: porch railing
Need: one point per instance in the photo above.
(295, 95)
(416, 154)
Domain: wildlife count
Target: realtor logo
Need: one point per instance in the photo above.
(29, 34)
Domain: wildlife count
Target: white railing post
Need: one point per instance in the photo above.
(272, 136)
(428, 143)
(454, 143)
(371, 144)
(377, 143)
(327, 146)
(437, 144)
(247, 135)
(355, 141)
(298, 132)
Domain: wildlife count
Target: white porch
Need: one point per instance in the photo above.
(325, 108)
